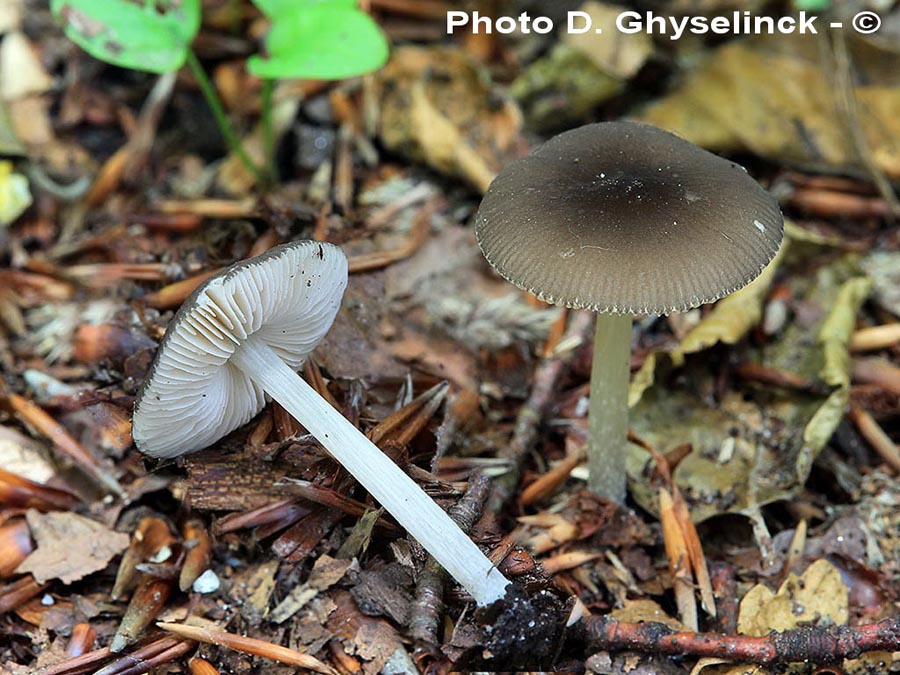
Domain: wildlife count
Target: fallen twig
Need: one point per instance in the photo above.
(876, 436)
(872, 338)
(82, 640)
(133, 665)
(248, 645)
(531, 414)
(17, 491)
(877, 371)
(808, 644)
(548, 483)
(19, 592)
(425, 617)
(48, 427)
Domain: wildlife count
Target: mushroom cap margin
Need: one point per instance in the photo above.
(627, 218)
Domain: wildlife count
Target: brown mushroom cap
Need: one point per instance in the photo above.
(626, 218)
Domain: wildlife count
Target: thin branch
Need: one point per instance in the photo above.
(808, 644)
(543, 394)
(428, 607)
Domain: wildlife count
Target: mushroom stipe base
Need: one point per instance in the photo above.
(608, 408)
(427, 522)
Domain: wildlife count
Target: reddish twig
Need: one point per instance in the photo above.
(19, 592)
(808, 644)
(133, 665)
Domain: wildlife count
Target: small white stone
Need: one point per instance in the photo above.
(47, 600)
(759, 226)
(207, 582)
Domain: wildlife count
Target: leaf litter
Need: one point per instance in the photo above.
(746, 401)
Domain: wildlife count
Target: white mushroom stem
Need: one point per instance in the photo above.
(427, 522)
(608, 411)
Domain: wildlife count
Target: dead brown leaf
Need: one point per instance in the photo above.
(69, 546)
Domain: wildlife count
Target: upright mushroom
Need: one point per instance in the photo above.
(625, 219)
(242, 335)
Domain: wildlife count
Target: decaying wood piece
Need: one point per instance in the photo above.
(233, 482)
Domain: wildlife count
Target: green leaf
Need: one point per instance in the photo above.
(834, 339)
(321, 41)
(755, 444)
(148, 35)
(812, 5)
(643, 379)
(278, 8)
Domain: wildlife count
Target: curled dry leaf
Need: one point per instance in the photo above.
(617, 53)
(437, 108)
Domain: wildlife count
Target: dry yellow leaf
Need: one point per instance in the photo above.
(437, 106)
(818, 595)
(732, 102)
(645, 610)
(15, 196)
(614, 52)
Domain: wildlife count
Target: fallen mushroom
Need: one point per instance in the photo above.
(625, 219)
(242, 335)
